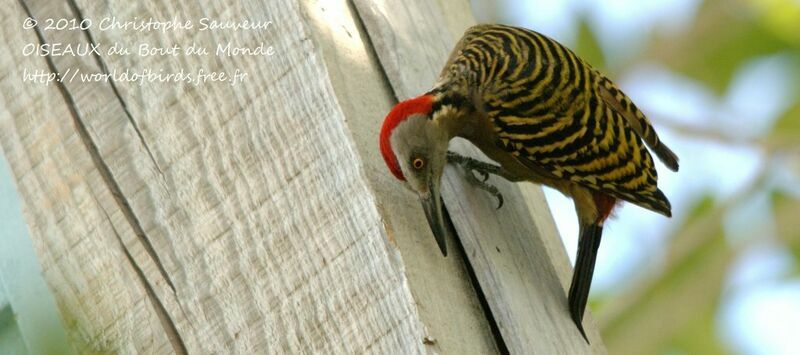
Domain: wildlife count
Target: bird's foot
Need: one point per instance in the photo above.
(473, 166)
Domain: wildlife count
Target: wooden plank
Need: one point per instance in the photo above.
(506, 248)
(448, 306)
(68, 211)
(265, 234)
(458, 16)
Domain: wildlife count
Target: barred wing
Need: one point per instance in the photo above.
(590, 145)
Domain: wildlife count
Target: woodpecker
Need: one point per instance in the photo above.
(543, 115)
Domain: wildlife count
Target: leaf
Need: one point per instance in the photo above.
(786, 131)
(782, 16)
(789, 122)
(701, 208)
(588, 46)
(785, 208)
(724, 35)
(698, 336)
(684, 296)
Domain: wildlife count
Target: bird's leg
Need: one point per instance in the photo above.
(473, 165)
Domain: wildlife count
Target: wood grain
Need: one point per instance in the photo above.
(443, 293)
(512, 255)
(210, 219)
(181, 218)
(69, 212)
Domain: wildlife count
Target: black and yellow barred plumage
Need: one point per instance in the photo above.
(552, 110)
(547, 116)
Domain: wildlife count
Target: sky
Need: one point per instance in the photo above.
(760, 310)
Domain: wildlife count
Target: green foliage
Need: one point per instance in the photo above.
(786, 209)
(725, 35)
(786, 131)
(789, 123)
(675, 308)
(588, 46)
(701, 208)
(674, 311)
(698, 336)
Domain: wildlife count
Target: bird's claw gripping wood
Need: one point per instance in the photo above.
(476, 166)
(546, 116)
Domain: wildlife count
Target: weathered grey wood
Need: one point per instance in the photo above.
(543, 220)
(512, 255)
(458, 16)
(69, 211)
(444, 295)
(172, 218)
(218, 219)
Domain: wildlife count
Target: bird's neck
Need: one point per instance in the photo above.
(451, 109)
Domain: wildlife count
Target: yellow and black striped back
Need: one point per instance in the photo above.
(551, 110)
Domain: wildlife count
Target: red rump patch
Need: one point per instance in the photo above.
(418, 105)
(605, 204)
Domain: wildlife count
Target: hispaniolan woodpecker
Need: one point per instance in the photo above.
(545, 116)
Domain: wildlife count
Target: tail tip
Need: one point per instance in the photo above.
(673, 165)
(576, 313)
(583, 333)
(668, 157)
(658, 202)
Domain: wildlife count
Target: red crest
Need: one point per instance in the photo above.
(401, 111)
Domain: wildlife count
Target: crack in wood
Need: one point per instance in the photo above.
(371, 51)
(99, 163)
(490, 318)
(104, 68)
(166, 321)
(502, 347)
(111, 184)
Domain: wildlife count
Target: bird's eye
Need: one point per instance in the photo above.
(418, 163)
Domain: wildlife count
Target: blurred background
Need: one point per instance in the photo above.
(720, 79)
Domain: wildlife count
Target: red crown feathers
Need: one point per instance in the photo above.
(403, 110)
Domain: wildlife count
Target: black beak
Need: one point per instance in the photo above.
(433, 210)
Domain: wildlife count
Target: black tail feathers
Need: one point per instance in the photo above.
(588, 244)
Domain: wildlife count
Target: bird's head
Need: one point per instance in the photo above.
(414, 147)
